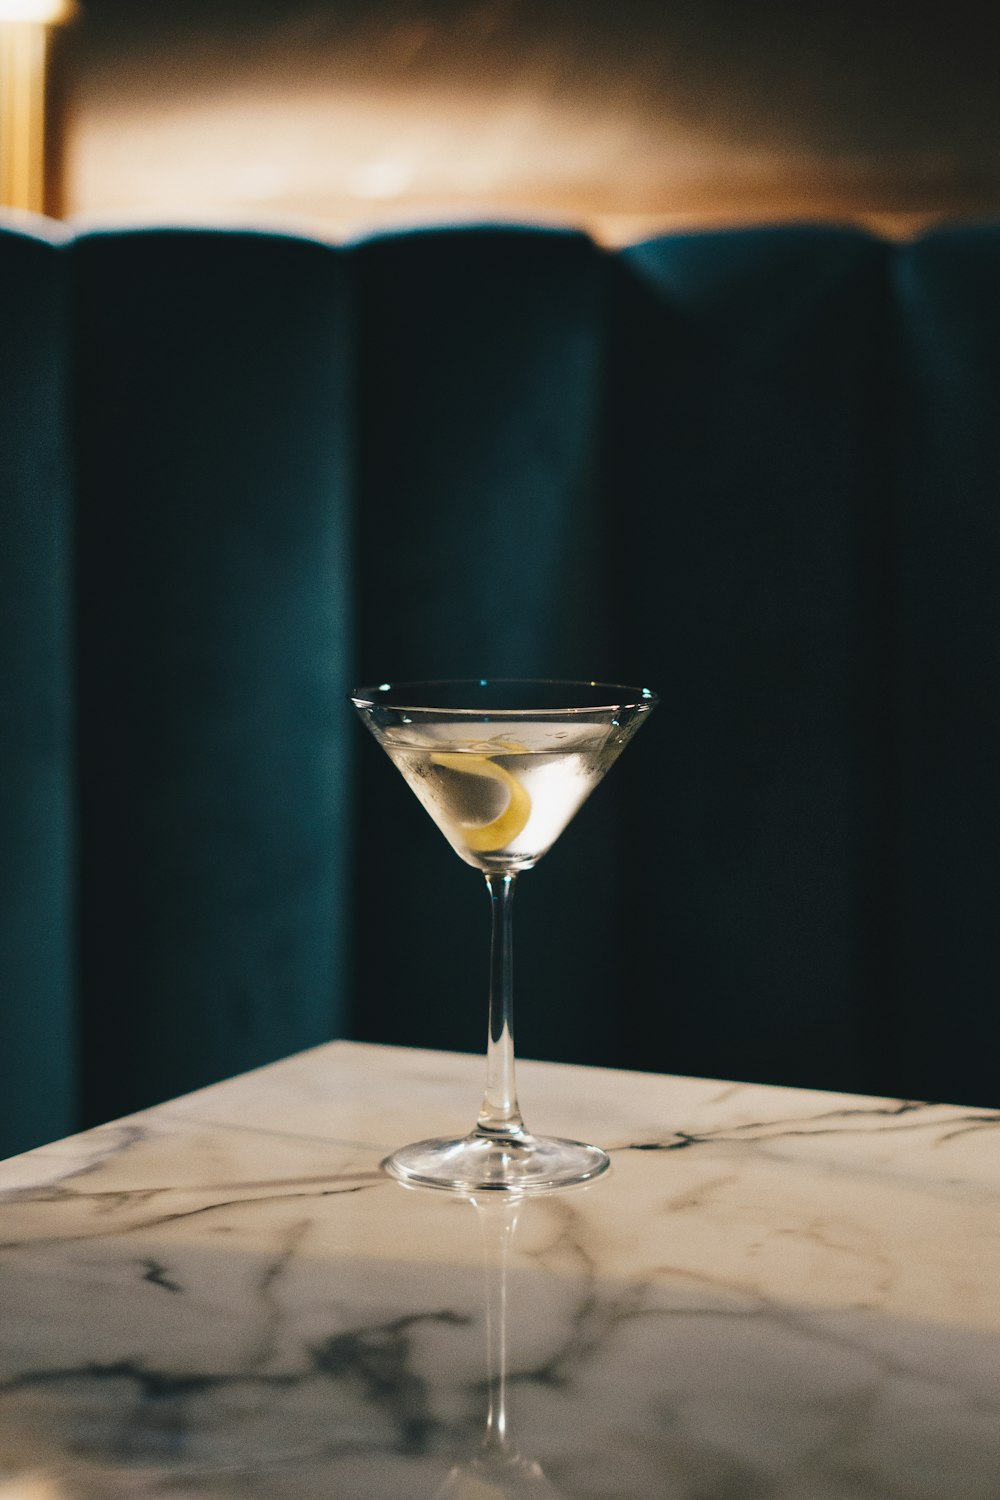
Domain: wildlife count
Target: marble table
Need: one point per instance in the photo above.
(773, 1294)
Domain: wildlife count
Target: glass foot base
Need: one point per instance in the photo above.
(487, 1164)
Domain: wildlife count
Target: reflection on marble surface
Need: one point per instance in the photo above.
(497, 1470)
(773, 1294)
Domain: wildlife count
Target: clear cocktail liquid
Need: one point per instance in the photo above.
(503, 796)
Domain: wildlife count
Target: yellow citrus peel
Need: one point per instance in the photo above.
(486, 838)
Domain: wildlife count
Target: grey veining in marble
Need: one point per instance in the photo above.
(774, 1295)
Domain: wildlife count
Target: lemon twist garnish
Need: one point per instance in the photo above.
(486, 838)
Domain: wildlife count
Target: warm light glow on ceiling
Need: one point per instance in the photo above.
(42, 12)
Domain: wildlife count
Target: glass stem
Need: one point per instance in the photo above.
(500, 1116)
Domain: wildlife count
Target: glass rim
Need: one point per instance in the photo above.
(397, 695)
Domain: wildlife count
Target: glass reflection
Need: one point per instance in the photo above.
(497, 1471)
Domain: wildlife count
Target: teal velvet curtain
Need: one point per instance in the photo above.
(482, 537)
(37, 981)
(946, 700)
(746, 448)
(240, 473)
(213, 630)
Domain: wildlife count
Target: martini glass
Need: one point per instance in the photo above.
(501, 766)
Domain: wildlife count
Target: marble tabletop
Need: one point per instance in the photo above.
(773, 1294)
